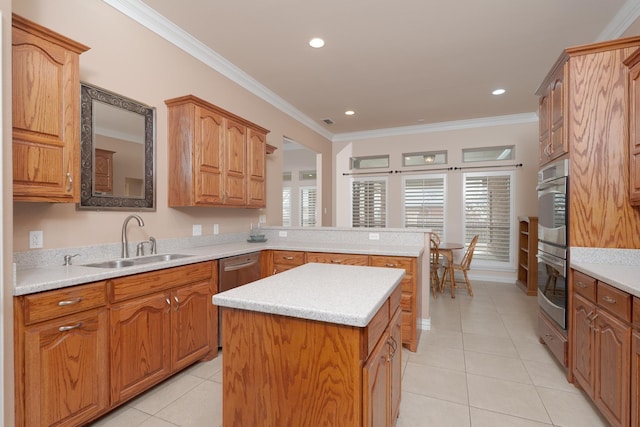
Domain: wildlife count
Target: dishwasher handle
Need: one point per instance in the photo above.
(240, 266)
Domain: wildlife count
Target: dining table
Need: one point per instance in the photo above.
(446, 249)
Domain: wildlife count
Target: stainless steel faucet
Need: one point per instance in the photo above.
(125, 246)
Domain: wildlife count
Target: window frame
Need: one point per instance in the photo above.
(443, 176)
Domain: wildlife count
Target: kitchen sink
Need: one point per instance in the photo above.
(130, 262)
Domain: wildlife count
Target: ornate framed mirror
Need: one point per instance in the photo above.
(117, 142)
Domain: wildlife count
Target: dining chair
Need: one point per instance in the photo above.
(464, 265)
(435, 264)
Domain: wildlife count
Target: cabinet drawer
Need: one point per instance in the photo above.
(60, 302)
(376, 326)
(395, 300)
(584, 285)
(555, 340)
(636, 312)
(288, 257)
(330, 258)
(145, 283)
(393, 262)
(615, 301)
(405, 301)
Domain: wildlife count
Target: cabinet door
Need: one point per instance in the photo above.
(235, 163)
(256, 158)
(558, 138)
(376, 386)
(635, 379)
(395, 381)
(66, 369)
(46, 118)
(208, 157)
(140, 344)
(544, 111)
(583, 342)
(194, 324)
(612, 385)
(634, 134)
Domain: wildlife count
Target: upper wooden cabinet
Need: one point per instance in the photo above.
(553, 142)
(46, 114)
(633, 62)
(215, 157)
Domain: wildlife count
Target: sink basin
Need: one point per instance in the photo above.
(130, 262)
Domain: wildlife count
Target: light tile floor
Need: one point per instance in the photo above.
(480, 365)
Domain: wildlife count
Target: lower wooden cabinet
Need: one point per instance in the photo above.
(83, 350)
(285, 260)
(635, 379)
(383, 378)
(332, 258)
(66, 379)
(601, 340)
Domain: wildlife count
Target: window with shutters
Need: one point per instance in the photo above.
(424, 202)
(308, 206)
(369, 202)
(286, 206)
(488, 208)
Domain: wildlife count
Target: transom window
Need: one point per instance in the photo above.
(488, 154)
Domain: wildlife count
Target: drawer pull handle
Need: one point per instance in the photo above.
(393, 345)
(336, 261)
(169, 305)
(549, 337)
(177, 303)
(391, 265)
(70, 182)
(581, 285)
(68, 328)
(69, 302)
(608, 299)
(288, 258)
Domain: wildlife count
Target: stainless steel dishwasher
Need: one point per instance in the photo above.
(236, 271)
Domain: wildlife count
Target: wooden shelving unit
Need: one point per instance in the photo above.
(527, 261)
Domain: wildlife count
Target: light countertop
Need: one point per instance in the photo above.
(37, 279)
(619, 268)
(342, 294)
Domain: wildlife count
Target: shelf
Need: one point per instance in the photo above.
(527, 275)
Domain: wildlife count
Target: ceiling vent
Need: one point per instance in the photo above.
(328, 121)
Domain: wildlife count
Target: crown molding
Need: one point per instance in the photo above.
(626, 16)
(152, 20)
(439, 127)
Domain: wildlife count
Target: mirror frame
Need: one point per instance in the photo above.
(90, 201)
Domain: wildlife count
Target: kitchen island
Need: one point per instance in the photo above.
(315, 345)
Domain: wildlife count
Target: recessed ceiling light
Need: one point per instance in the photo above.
(316, 42)
(498, 92)
(349, 112)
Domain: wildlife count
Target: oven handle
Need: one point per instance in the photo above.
(554, 261)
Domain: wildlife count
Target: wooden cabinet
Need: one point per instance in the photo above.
(81, 351)
(583, 118)
(411, 295)
(61, 356)
(383, 378)
(332, 258)
(46, 114)
(633, 62)
(554, 338)
(103, 170)
(285, 260)
(215, 157)
(635, 379)
(551, 110)
(602, 349)
(527, 250)
(356, 372)
(170, 326)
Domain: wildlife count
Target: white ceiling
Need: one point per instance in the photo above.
(397, 64)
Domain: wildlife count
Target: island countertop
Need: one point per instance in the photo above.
(343, 294)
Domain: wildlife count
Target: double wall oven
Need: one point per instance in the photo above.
(553, 185)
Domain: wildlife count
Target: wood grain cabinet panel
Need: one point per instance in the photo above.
(633, 62)
(61, 356)
(635, 379)
(103, 170)
(215, 157)
(333, 258)
(46, 114)
(602, 351)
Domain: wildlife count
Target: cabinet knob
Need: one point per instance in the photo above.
(69, 182)
(168, 305)
(288, 258)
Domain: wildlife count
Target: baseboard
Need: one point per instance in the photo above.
(425, 324)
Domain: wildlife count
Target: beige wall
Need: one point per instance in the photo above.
(130, 60)
(524, 136)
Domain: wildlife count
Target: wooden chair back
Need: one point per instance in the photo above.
(466, 260)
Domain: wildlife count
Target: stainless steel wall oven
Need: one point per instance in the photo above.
(553, 184)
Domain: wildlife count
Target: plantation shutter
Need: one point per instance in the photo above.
(424, 203)
(286, 206)
(369, 203)
(308, 206)
(487, 200)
